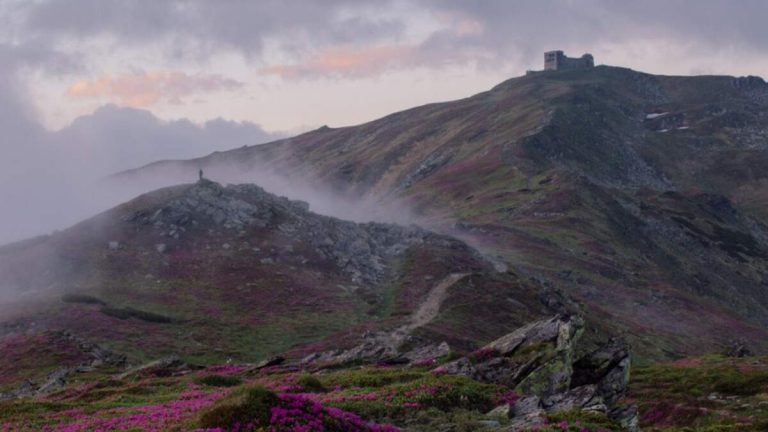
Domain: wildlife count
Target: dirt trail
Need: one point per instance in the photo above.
(431, 306)
(385, 344)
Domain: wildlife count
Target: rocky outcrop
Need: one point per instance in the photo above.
(97, 356)
(363, 251)
(399, 345)
(538, 361)
(607, 368)
(166, 366)
(382, 347)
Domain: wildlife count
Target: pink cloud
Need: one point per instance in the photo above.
(346, 61)
(459, 23)
(142, 89)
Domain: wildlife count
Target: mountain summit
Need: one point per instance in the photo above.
(638, 194)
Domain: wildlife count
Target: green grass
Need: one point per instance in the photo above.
(219, 380)
(711, 393)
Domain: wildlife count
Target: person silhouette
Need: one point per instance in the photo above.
(200, 174)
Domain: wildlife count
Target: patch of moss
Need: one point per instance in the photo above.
(82, 298)
(310, 383)
(248, 405)
(219, 380)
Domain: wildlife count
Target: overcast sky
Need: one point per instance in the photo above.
(88, 87)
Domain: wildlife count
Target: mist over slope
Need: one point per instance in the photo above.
(53, 179)
(638, 194)
(212, 272)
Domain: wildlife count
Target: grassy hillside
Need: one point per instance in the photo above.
(640, 195)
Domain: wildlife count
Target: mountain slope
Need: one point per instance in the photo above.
(212, 273)
(640, 195)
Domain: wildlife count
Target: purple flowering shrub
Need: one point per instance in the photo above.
(298, 413)
(577, 421)
(257, 408)
(425, 362)
(159, 416)
(399, 400)
(219, 380)
(224, 369)
(245, 409)
(483, 354)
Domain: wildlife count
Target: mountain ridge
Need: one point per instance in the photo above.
(245, 274)
(633, 192)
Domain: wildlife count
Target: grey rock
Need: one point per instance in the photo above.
(501, 411)
(489, 424)
(558, 330)
(363, 251)
(585, 397)
(525, 406)
(428, 352)
(627, 417)
(526, 413)
(55, 380)
(461, 366)
(272, 361)
(166, 366)
(608, 368)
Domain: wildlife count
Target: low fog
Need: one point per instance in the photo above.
(50, 180)
(302, 186)
(60, 178)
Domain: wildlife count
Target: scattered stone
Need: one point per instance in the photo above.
(489, 424)
(164, 367)
(527, 413)
(272, 361)
(608, 368)
(537, 360)
(363, 251)
(114, 245)
(160, 247)
(428, 352)
(461, 366)
(738, 349)
(501, 411)
(627, 417)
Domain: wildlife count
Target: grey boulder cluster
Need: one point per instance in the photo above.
(363, 251)
(96, 356)
(539, 362)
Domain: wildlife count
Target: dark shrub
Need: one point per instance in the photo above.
(149, 316)
(310, 383)
(81, 298)
(248, 406)
(219, 380)
(129, 312)
(116, 312)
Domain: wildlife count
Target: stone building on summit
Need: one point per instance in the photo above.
(556, 60)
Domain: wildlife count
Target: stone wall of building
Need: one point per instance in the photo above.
(557, 60)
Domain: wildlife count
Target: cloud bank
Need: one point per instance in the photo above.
(141, 89)
(168, 55)
(52, 179)
(366, 37)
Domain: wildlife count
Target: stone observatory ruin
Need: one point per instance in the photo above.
(557, 60)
